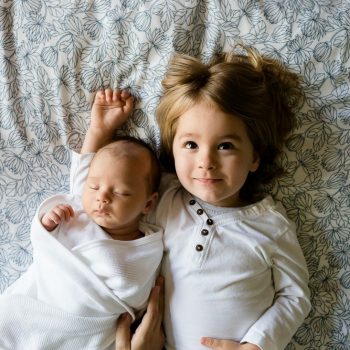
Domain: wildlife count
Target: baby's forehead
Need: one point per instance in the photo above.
(122, 147)
(127, 153)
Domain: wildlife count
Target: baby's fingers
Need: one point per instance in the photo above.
(62, 211)
(100, 97)
(129, 104)
(116, 95)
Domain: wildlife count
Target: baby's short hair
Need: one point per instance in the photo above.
(153, 179)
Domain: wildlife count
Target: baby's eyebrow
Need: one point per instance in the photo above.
(92, 178)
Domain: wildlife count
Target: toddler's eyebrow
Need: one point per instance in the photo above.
(235, 137)
(232, 136)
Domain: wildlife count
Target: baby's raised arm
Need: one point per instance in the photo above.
(109, 111)
(58, 213)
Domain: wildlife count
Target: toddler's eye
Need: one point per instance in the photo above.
(225, 145)
(93, 187)
(190, 145)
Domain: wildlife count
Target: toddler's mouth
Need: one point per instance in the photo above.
(207, 180)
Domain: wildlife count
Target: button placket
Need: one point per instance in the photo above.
(201, 240)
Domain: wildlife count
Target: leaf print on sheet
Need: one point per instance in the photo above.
(167, 13)
(313, 26)
(275, 11)
(299, 50)
(45, 130)
(15, 163)
(91, 79)
(95, 27)
(23, 233)
(5, 234)
(16, 211)
(119, 20)
(345, 280)
(19, 187)
(49, 56)
(36, 28)
(159, 42)
(339, 257)
(142, 21)
(341, 38)
(20, 256)
(4, 274)
(55, 54)
(228, 20)
(333, 159)
(35, 198)
(62, 155)
(8, 67)
(28, 55)
(322, 51)
(257, 33)
(8, 116)
(72, 47)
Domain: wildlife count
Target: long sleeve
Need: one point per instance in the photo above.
(79, 171)
(275, 328)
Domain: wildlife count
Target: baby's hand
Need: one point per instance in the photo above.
(51, 219)
(219, 344)
(110, 110)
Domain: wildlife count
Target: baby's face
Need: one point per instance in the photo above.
(116, 192)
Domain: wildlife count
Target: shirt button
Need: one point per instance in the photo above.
(200, 211)
(199, 247)
(192, 202)
(204, 232)
(210, 221)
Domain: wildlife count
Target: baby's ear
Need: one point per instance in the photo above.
(150, 202)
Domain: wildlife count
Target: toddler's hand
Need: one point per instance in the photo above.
(110, 110)
(58, 213)
(219, 344)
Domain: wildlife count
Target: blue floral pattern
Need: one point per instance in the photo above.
(55, 54)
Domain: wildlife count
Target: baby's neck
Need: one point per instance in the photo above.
(122, 235)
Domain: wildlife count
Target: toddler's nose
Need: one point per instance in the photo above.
(206, 160)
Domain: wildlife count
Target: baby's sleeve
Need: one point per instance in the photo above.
(79, 171)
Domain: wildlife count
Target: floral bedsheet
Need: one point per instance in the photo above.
(55, 54)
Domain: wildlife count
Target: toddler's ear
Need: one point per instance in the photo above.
(150, 203)
(255, 163)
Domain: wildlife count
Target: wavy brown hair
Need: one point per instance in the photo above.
(257, 89)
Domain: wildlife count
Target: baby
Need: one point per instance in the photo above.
(93, 258)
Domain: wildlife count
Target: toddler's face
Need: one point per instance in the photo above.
(116, 192)
(213, 155)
